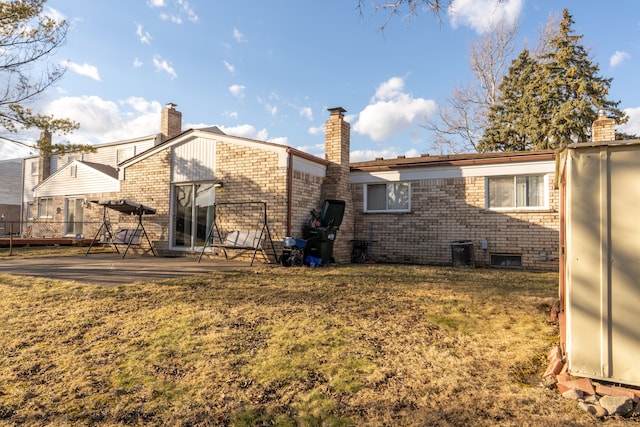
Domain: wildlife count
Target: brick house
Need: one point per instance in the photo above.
(182, 178)
(502, 206)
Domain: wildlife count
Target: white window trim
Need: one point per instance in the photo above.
(546, 196)
(365, 204)
(49, 204)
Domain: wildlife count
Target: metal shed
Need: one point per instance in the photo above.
(600, 259)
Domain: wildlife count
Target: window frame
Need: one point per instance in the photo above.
(48, 207)
(386, 209)
(515, 207)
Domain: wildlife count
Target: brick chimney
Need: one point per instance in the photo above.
(44, 160)
(170, 122)
(337, 184)
(603, 129)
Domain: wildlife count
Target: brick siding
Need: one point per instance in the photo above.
(448, 210)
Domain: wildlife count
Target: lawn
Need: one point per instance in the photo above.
(365, 345)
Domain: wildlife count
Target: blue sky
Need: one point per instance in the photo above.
(269, 69)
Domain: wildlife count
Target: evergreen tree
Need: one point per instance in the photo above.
(552, 100)
(512, 124)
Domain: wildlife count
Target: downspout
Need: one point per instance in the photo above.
(289, 192)
(22, 201)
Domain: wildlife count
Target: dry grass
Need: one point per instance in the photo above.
(349, 345)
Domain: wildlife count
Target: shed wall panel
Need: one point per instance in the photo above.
(603, 262)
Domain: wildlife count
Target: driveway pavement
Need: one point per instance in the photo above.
(111, 269)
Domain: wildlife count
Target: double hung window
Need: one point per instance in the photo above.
(45, 207)
(517, 192)
(389, 197)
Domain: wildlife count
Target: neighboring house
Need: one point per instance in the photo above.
(56, 189)
(10, 186)
(501, 207)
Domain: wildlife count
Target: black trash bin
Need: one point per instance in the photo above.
(320, 239)
(462, 253)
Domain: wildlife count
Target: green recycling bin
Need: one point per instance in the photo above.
(320, 239)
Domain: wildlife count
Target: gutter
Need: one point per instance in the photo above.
(450, 162)
(289, 193)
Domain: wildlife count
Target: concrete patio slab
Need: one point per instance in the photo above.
(112, 270)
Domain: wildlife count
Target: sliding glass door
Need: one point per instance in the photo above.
(193, 214)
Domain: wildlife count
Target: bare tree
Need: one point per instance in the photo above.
(28, 38)
(462, 119)
(409, 8)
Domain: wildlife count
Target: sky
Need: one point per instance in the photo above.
(269, 70)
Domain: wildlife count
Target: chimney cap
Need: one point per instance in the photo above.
(336, 110)
(171, 105)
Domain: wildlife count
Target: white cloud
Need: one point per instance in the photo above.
(633, 125)
(618, 58)
(137, 63)
(176, 19)
(484, 15)
(391, 111)
(231, 114)
(182, 8)
(245, 131)
(282, 140)
(54, 14)
(84, 69)
(162, 65)
(316, 130)
(143, 36)
(306, 112)
(104, 121)
(11, 150)
(187, 10)
(238, 36)
(237, 91)
(271, 109)
(230, 68)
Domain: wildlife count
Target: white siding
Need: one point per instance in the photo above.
(10, 181)
(30, 180)
(441, 172)
(87, 180)
(194, 160)
(307, 166)
(106, 154)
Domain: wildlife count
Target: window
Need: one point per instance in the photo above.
(391, 197)
(517, 192)
(506, 260)
(45, 208)
(30, 210)
(34, 167)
